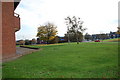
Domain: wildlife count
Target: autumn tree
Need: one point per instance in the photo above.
(55, 40)
(118, 31)
(74, 25)
(47, 32)
(20, 42)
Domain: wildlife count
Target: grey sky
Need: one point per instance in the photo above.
(99, 16)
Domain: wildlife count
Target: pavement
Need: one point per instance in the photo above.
(23, 51)
(20, 52)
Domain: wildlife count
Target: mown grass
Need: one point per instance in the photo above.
(85, 60)
(112, 40)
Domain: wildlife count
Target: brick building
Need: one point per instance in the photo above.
(10, 24)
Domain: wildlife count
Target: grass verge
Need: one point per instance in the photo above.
(85, 60)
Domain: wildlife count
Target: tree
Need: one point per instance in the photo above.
(118, 31)
(88, 37)
(27, 42)
(72, 36)
(20, 42)
(55, 40)
(104, 36)
(74, 26)
(47, 32)
(33, 41)
(69, 24)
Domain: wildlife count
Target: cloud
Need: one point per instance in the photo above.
(98, 15)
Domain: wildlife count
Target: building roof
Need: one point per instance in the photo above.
(16, 3)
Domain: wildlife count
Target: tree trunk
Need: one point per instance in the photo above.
(48, 40)
(77, 41)
(68, 38)
(77, 38)
(68, 35)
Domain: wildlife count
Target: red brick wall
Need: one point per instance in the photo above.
(17, 23)
(8, 32)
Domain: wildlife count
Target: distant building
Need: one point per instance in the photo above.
(62, 39)
(10, 24)
(102, 36)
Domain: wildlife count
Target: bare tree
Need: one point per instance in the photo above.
(69, 25)
(75, 25)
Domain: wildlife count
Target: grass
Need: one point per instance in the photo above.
(85, 60)
(112, 40)
(17, 45)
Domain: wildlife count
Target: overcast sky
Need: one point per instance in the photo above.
(99, 16)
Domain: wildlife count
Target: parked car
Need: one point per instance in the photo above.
(97, 40)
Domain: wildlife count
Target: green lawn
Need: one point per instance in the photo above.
(84, 60)
(112, 40)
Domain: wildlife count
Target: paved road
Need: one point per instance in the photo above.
(20, 50)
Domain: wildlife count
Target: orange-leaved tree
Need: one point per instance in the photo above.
(118, 31)
(47, 32)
